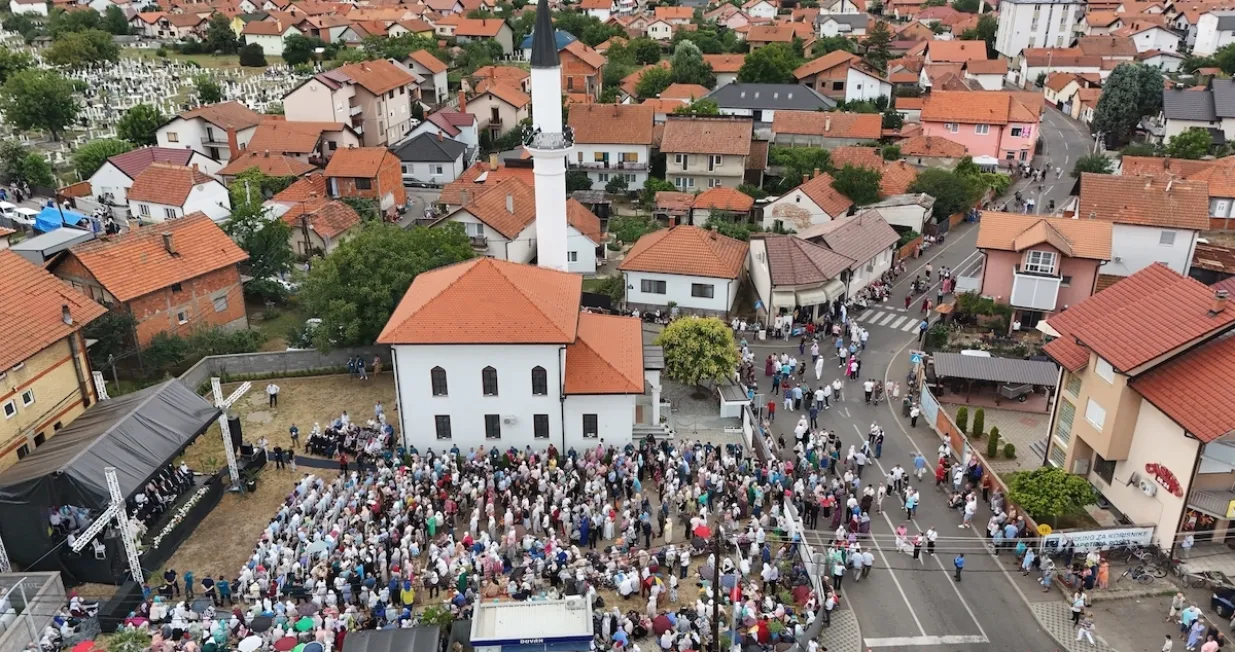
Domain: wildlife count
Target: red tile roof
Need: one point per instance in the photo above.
(358, 162)
(1195, 389)
(687, 250)
(132, 163)
(275, 165)
(956, 51)
(285, 137)
(137, 263)
(724, 199)
(432, 63)
(695, 135)
(863, 126)
(584, 221)
(722, 63)
(820, 191)
(684, 92)
(377, 76)
(491, 207)
(313, 185)
(225, 114)
(31, 304)
(1144, 201)
(794, 261)
(327, 217)
(607, 356)
(617, 124)
(931, 146)
(782, 33)
(164, 183)
(479, 27)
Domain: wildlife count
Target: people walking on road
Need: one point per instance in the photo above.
(868, 388)
(914, 412)
(959, 565)
(931, 537)
(1085, 629)
(1078, 606)
(1177, 605)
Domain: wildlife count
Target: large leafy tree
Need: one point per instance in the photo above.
(114, 21)
(1191, 144)
(91, 156)
(859, 184)
(140, 125)
(18, 163)
(1224, 58)
(355, 289)
(645, 51)
(688, 66)
(698, 350)
(61, 22)
(878, 45)
(988, 27)
(299, 49)
(953, 193)
(12, 61)
(798, 162)
(39, 99)
(770, 64)
(252, 56)
(1095, 163)
(653, 81)
(699, 107)
(831, 44)
(220, 39)
(1130, 93)
(208, 90)
(1050, 492)
(82, 48)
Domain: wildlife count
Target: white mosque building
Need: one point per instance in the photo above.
(495, 353)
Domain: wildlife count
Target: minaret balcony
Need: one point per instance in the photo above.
(547, 141)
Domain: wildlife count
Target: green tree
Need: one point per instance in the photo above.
(252, 56)
(39, 99)
(617, 185)
(1095, 163)
(1224, 58)
(37, 171)
(12, 61)
(893, 119)
(113, 338)
(61, 22)
(114, 21)
(83, 48)
(265, 238)
(1192, 63)
(477, 54)
(988, 27)
(770, 64)
(23, 24)
(645, 51)
(366, 207)
(299, 49)
(688, 66)
(698, 350)
(651, 186)
(832, 44)
(653, 81)
(1191, 144)
(709, 39)
(208, 90)
(91, 156)
(629, 228)
(699, 107)
(355, 289)
(1050, 492)
(965, 6)
(878, 45)
(891, 152)
(613, 287)
(140, 125)
(979, 423)
(577, 180)
(953, 193)
(1127, 96)
(726, 225)
(859, 184)
(1141, 149)
(220, 39)
(798, 162)
(962, 419)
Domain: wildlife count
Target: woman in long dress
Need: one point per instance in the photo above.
(609, 527)
(818, 368)
(668, 531)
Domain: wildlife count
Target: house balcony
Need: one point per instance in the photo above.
(495, 121)
(1219, 504)
(610, 165)
(1034, 291)
(479, 242)
(213, 140)
(359, 129)
(354, 110)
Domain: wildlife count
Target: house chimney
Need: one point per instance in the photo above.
(805, 178)
(233, 146)
(65, 315)
(816, 173)
(168, 244)
(827, 124)
(493, 161)
(510, 203)
(439, 137)
(462, 102)
(1219, 304)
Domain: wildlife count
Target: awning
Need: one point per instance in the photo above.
(829, 291)
(782, 299)
(999, 370)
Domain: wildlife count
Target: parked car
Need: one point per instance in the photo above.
(1223, 601)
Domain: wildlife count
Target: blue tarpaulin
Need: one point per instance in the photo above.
(52, 218)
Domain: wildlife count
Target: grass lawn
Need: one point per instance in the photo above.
(593, 284)
(276, 322)
(203, 60)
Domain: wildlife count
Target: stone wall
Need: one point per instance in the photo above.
(273, 364)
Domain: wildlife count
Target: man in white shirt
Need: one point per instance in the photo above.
(868, 387)
(836, 385)
(272, 390)
(827, 396)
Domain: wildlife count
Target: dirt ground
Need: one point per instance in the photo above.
(224, 540)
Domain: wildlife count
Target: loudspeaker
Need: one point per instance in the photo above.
(233, 425)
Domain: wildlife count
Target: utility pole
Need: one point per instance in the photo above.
(308, 244)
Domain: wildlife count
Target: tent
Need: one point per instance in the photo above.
(423, 638)
(52, 218)
(136, 433)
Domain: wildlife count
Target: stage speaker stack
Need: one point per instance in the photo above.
(233, 424)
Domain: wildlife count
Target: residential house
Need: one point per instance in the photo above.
(842, 6)
(761, 9)
(1041, 62)
(187, 25)
(470, 387)
(369, 172)
(1099, 23)
(445, 26)
(729, 16)
(433, 72)
(725, 66)
(1111, 47)
(697, 270)
(269, 35)
(1218, 175)
(219, 131)
(896, 177)
(843, 24)
(674, 15)
(761, 35)
(499, 108)
(1152, 37)
(188, 276)
(685, 93)
(1163, 60)
(319, 225)
(1211, 108)
(487, 76)
(431, 158)
(151, 24)
(788, 273)
(989, 74)
(612, 140)
(599, 9)
(705, 152)
(998, 125)
(662, 109)
(1040, 265)
(1086, 104)
(907, 212)
(583, 69)
(309, 142)
(723, 203)
(660, 29)
(815, 201)
(818, 129)
(1060, 89)
(46, 379)
(469, 29)
(269, 164)
(761, 102)
(1156, 220)
(373, 97)
(166, 192)
(1140, 412)
(111, 182)
(865, 239)
(1215, 29)
(932, 151)
(415, 27)
(630, 83)
(910, 108)
(841, 75)
(1025, 24)
(955, 51)
(456, 125)
(29, 7)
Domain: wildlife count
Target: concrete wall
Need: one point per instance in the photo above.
(276, 363)
(1134, 248)
(678, 290)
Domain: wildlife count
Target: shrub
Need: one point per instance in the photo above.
(992, 445)
(962, 418)
(1009, 451)
(168, 352)
(252, 56)
(979, 423)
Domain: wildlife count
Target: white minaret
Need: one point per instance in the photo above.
(549, 142)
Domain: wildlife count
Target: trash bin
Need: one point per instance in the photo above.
(905, 405)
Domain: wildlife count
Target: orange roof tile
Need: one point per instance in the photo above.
(979, 107)
(782, 33)
(358, 162)
(631, 82)
(326, 217)
(956, 51)
(684, 92)
(1155, 165)
(987, 67)
(607, 356)
(430, 62)
(931, 146)
(285, 137)
(826, 62)
(862, 157)
(225, 114)
(687, 250)
(662, 106)
(864, 126)
(898, 176)
(1017, 232)
(674, 13)
(479, 27)
(1219, 177)
(313, 185)
(700, 135)
(166, 183)
(377, 76)
(275, 165)
(1144, 201)
(524, 304)
(31, 305)
(137, 263)
(584, 221)
(617, 124)
(724, 199)
(508, 210)
(585, 54)
(819, 189)
(508, 94)
(671, 200)
(722, 63)
(1195, 389)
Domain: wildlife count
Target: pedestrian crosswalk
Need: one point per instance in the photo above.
(890, 318)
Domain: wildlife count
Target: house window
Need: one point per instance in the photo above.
(690, 182)
(715, 162)
(182, 318)
(176, 287)
(437, 169)
(650, 286)
(603, 177)
(169, 213)
(838, 85)
(488, 381)
(10, 409)
(1016, 132)
(598, 157)
(173, 137)
(679, 159)
(1104, 468)
(493, 426)
(590, 428)
(1104, 370)
(144, 209)
(23, 451)
(27, 398)
(363, 184)
(437, 381)
(981, 130)
(540, 381)
(1073, 384)
(39, 439)
(220, 303)
(1167, 238)
(540, 426)
(1065, 281)
(714, 183)
(702, 290)
(572, 256)
(952, 127)
(1063, 427)
(630, 157)
(1095, 414)
(1040, 262)
(442, 423)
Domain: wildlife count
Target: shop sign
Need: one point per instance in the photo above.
(1166, 478)
(1106, 539)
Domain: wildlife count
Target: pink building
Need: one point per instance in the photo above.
(1040, 265)
(998, 124)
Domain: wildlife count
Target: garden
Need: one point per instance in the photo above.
(979, 323)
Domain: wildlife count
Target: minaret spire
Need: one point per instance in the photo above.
(549, 142)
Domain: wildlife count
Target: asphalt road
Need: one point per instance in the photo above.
(1064, 141)
(907, 604)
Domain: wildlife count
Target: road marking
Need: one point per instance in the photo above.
(898, 322)
(911, 326)
(887, 319)
(910, 641)
(871, 317)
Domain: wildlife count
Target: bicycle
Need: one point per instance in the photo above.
(1138, 574)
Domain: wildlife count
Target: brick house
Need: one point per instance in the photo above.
(171, 277)
(371, 172)
(583, 69)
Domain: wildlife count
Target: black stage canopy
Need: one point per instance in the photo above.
(423, 638)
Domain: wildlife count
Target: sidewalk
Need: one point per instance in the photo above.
(844, 634)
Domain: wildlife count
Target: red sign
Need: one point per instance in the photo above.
(1165, 478)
